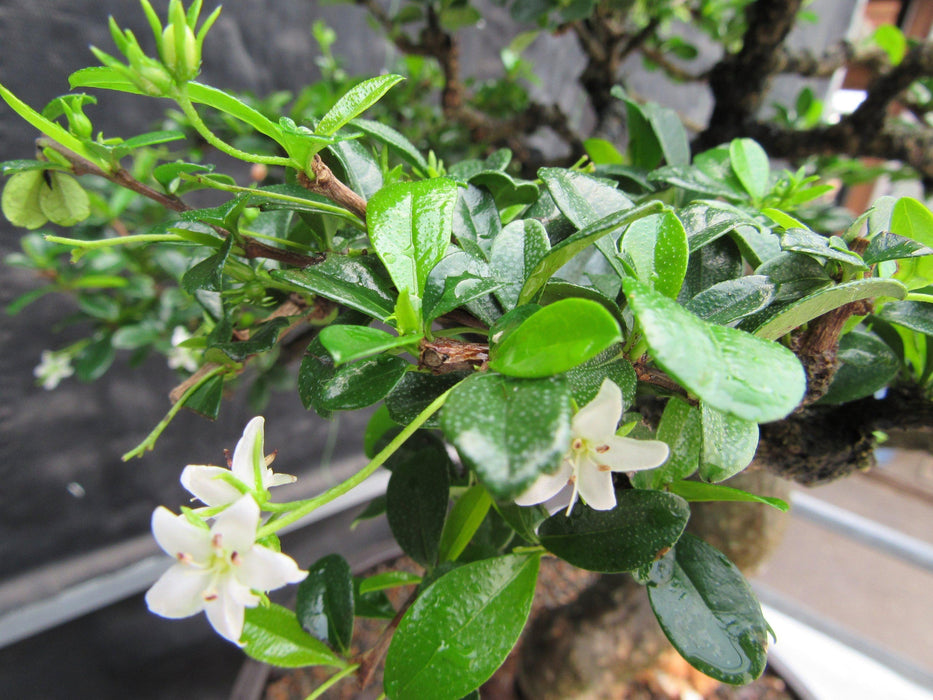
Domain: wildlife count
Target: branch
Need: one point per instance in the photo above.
(326, 184)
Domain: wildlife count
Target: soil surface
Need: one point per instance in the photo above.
(558, 583)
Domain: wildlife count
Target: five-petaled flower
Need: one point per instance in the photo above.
(52, 368)
(249, 471)
(217, 570)
(595, 452)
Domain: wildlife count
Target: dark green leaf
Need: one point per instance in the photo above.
(375, 604)
(515, 252)
(476, 221)
(867, 364)
(799, 240)
(207, 399)
(709, 613)
(701, 492)
(585, 379)
(261, 338)
(325, 604)
(361, 171)
(507, 430)
(705, 221)
(634, 533)
(729, 301)
(458, 279)
(729, 369)
(94, 359)
(209, 273)
(461, 628)
(555, 339)
(890, 246)
(415, 391)
(915, 315)
(271, 634)
(680, 428)
(729, 444)
(691, 179)
(416, 505)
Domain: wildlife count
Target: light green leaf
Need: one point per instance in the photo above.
(701, 492)
(21, 199)
(750, 163)
(271, 634)
(515, 252)
(351, 343)
(681, 429)
(464, 519)
(356, 101)
(656, 248)
(63, 200)
(729, 444)
(911, 219)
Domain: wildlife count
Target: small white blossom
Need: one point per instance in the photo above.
(52, 368)
(249, 467)
(217, 570)
(179, 357)
(595, 452)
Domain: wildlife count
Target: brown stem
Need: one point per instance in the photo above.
(326, 184)
(445, 355)
(255, 249)
(370, 660)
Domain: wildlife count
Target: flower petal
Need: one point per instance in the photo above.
(265, 569)
(179, 592)
(237, 525)
(546, 486)
(227, 611)
(595, 486)
(247, 450)
(175, 535)
(630, 455)
(206, 483)
(271, 479)
(600, 417)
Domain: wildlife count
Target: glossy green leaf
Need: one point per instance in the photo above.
(356, 101)
(326, 388)
(103, 77)
(912, 219)
(324, 605)
(569, 247)
(729, 301)
(416, 505)
(394, 140)
(351, 343)
(374, 604)
(207, 398)
(706, 220)
(271, 634)
(358, 283)
(729, 444)
(602, 152)
(701, 492)
(410, 225)
(692, 180)
(795, 275)
(361, 170)
(514, 254)
(827, 299)
(669, 130)
(507, 430)
(634, 533)
(583, 198)
(586, 378)
(867, 364)
(458, 279)
(209, 273)
(476, 221)
(458, 632)
(262, 337)
(225, 102)
(681, 429)
(727, 368)
(750, 163)
(709, 612)
(555, 339)
(415, 391)
(655, 247)
(915, 315)
(890, 246)
(464, 519)
(387, 580)
(798, 240)
(505, 189)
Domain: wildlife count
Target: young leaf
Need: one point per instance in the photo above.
(271, 634)
(394, 140)
(655, 247)
(709, 612)
(508, 430)
(464, 519)
(642, 525)
(727, 368)
(750, 163)
(350, 343)
(416, 505)
(225, 102)
(476, 221)
(386, 580)
(461, 628)
(680, 428)
(729, 444)
(701, 492)
(20, 201)
(555, 339)
(356, 101)
(324, 605)
(911, 219)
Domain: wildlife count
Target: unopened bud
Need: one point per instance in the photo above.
(180, 51)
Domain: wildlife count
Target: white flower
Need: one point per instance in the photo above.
(595, 452)
(249, 466)
(179, 357)
(216, 570)
(52, 368)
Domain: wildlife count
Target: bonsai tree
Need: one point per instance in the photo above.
(588, 337)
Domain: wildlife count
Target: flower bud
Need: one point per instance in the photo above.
(180, 52)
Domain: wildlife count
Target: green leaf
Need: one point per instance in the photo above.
(225, 102)
(701, 492)
(361, 170)
(351, 343)
(326, 388)
(709, 612)
(669, 131)
(799, 240)
(915, 315)
(356, 101)
(556, 338)
(911, 219)
(209, 273)
(642, 526)
(464, 519)
(416, 504)
(727, 368)
(271, 634)
(262, 338)
(681, 429)
(458, 279)
(458, 632)
(415, 392)
(476, 221)
(20, 201)
(827, 299)
(394, 140)
(569, 247)
(62, 199)
(750, 163)
(585, 379)
(892, 41)
(103, 77)
(602, 152)
(583, 198)
(729, 444)
(93, 360)
(325, 605)
(890, 246)
(358, 283)
(509, 431)
(656, 248)
(514, 254)
(867, 364)
(208, 397)
(705, 221)
(410, 225)
(692, 180)
(731, 300)
(387, 580)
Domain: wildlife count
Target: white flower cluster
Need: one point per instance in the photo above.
(219, 568)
